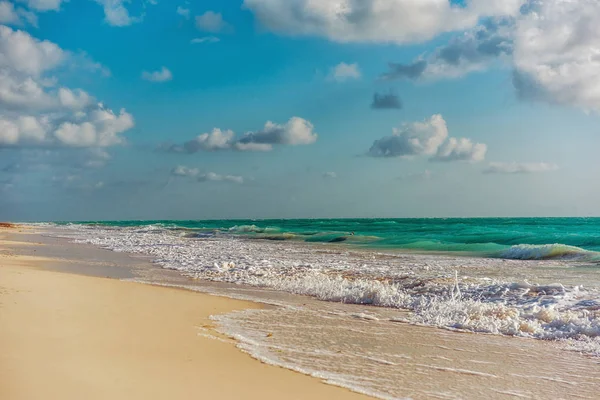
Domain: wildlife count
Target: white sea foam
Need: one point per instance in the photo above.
(489, 295)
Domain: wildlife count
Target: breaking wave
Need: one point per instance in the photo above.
(546, 252)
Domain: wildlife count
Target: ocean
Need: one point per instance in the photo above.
(535, 278)
(511, 238)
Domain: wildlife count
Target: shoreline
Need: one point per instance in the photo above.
(361, 348)
(78, 336)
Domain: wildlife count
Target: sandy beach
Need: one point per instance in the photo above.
(74, 324)
(66, 336)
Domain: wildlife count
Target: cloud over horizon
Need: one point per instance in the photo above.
(345, 72)
(519, 168)
(162, 75)
(296, 132)
(195, 173)
(428, 137)
(36, 112)
(213, 22)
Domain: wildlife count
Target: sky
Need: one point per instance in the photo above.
(229, 109)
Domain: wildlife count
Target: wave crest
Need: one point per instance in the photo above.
(544, 252)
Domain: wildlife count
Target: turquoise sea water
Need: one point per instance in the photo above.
(512, 238)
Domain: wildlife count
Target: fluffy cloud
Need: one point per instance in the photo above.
(386, 102)
(101, 128)
(519, 168)
(391, 21)
(216, 140)
(162, 75)
(116, 14)
(429, 137)
(552, 46)
(98, 128)
(297, 131)
(43, 5)
(472, 51)
(186, 172)
(206, 39)
(34, 111)
(24, 54)
(180, 170)
(461, 150)
(15, 16)
(417, 138)
(557, 53)
(184, 12)
(345, 72)
(212, 22)
(8, 14)
(213, 177)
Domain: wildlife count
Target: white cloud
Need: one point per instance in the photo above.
(212, 22)
(100, 128)
(552, 45)
(23, 129)
(253, 146)
(557, 53)
(23, 93)
(43, 5)
(74, 99)
(96, 158)
(36, 111)
(474, 50)
(429, 137)
(461, 150)
(216, 140)
(8, 14)
(116, 14)
(519, 168)
(214, 177)
(162, 75)
(183, 171)
(386, 21)
(344, 72)
(186, 172)
(297, 131)
(184, 12)
(22, 53)
(206, 39)
(417, 138)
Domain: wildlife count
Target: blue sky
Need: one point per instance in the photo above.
(160, 110)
